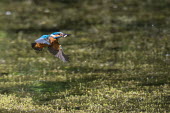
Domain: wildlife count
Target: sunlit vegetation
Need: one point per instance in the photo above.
(119, 50)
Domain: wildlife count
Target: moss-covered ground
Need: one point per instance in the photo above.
(119, 50)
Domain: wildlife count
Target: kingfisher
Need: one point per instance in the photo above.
(51, 41)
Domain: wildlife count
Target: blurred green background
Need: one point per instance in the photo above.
(119, 49)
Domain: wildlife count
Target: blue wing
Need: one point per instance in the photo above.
(43, 40)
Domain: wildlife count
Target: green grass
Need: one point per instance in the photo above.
(119, 57)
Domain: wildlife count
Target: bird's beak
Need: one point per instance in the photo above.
(65, 35)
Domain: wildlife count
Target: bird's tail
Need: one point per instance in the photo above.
(35, 48)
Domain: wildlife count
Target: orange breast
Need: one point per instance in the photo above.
(54, 43)
(38, 45)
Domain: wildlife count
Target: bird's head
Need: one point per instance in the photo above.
(59, 34)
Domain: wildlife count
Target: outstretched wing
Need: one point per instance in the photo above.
(53, 50)
(62, 56)
(59, 53)
(42, 41)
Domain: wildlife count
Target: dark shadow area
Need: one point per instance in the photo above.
(167, 99)
(50, 89)
(38, 88)
(4, 80)
(32, 30)
(10, 111)
(44, 1)
(6, 90)
(55, 1)
(49, 86)
(1, 74)
(79, 69)
(148, 80)
(22, 111)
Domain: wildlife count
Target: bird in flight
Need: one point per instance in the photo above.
(52, 43)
